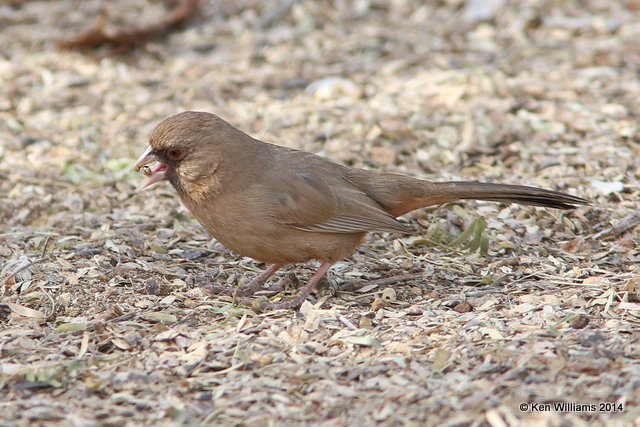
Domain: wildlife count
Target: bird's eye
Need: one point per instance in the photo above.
(175, 153)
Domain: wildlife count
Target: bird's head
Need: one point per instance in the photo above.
(186, 149)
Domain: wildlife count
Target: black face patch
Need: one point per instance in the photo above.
(164, 158)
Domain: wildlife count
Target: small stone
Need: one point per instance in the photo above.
(389, 295)
(579, 322)
(463, 307)
(365, 322)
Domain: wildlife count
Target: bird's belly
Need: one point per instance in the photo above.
(287, 245)
(251, 231)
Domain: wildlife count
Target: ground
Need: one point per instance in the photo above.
(105, 319)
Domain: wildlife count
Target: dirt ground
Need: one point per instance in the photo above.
(103, 316)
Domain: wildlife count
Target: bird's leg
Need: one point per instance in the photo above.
(258, 282)
(302, 294)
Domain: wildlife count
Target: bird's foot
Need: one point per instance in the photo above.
(242, 295)
(289, 279)
(298, 299)
(284, 304)
(216, 289)
(247, 289)
(257, 282)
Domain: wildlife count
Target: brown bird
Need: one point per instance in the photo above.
(284, 206)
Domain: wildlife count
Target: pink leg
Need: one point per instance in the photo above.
(302, 294)
(258, 282)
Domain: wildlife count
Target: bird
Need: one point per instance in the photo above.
(283, 206)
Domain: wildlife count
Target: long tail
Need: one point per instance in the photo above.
(400, 194)
(511, 193)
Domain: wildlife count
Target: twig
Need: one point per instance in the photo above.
(382, 282)
(626, 224)
(129, 39)
(44, 246)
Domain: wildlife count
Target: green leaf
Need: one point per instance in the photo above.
(474, 238)
(72, 173)
(363, 341)
(484, 245)
(466, 235)
(71, 327)
(160, 316)
(158, 248)
(54, 383)
(441, 359)
(117, 165)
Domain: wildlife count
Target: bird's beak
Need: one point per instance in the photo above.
(155, 175)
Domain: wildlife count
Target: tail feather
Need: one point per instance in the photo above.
(400, 194)
(516, 194)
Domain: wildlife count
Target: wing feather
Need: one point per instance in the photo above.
(345, 224)
(321, 199)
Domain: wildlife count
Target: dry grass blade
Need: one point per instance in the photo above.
(19, 269)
